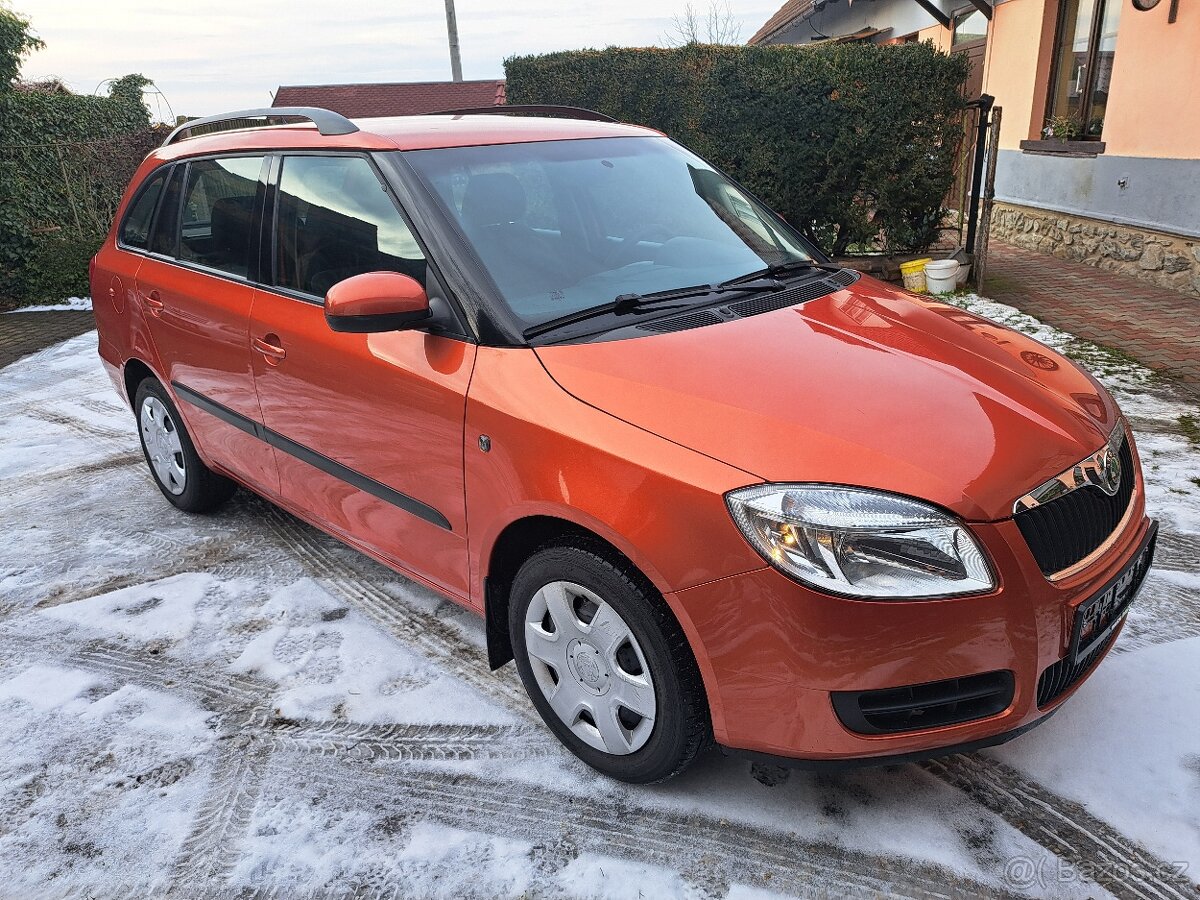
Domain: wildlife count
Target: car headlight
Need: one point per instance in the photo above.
(860, 542)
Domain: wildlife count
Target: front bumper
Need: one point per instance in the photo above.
(892, 759)
(773, 652)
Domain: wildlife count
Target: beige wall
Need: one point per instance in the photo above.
(1017, 65)
(936, 33)
(1154, 104)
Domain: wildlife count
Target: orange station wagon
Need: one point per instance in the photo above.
(703, 485)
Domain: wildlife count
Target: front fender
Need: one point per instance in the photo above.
(549, 454)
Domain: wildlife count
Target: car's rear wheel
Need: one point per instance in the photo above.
(606, 664)
(177, 469)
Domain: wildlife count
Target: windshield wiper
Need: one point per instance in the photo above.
(626, 304)
(780, 270)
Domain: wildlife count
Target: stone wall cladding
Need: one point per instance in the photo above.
(1167, 260)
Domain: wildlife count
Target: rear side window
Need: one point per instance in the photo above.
(135, 231)
(335, 220)
(218, 209)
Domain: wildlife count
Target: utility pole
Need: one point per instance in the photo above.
(452, 30)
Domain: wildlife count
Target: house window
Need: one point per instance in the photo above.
(1084, 47)
(969, 26)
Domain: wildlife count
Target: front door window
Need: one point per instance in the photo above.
(335, 220)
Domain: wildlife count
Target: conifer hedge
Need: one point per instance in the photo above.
(853, 143)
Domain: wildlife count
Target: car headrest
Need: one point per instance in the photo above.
(493, 198)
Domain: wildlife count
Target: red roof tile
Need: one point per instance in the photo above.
(362, 101)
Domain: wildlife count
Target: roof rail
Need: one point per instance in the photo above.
(562, 112)
(327, 121)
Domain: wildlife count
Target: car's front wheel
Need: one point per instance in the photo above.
(606, 664)
(177, 469)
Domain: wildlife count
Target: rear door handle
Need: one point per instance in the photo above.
(154, 301)
(269, 346)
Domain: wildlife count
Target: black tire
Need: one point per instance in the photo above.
(203, 489)
(682, 727)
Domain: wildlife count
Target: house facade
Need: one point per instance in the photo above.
(1099, 154)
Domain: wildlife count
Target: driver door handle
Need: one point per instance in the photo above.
(155, 303)
(269, 346)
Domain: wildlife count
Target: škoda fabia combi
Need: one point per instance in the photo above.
(702, 485)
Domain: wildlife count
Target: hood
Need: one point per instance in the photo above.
(868, 386)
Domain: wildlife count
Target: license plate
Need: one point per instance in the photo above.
(1098, 617)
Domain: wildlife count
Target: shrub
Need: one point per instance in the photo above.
(853, 143)
(57, 267)
(65, 160)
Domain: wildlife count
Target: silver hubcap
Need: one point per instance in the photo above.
(590, 668)
(161, 438)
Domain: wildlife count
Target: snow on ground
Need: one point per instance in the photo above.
(71, 303)
(1145, 772)
(237, 704)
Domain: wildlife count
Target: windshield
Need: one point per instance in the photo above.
(563, 226)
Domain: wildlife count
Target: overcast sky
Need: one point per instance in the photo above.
(211, 56)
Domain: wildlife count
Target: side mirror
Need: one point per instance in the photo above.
(376, 301)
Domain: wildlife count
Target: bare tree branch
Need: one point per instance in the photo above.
(717, 25)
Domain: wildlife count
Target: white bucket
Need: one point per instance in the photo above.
(941, 275)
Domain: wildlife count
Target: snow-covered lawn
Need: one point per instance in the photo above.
(239, 705)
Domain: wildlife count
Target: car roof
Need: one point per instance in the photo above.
(404, 133)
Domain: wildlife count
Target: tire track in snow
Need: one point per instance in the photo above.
(111, 405)
(1176, 550)
(1166, 610)
(619, 827)
(226, 557)
(252, 733)
(424, 632)
(1116, 862)
(225, 693)
(395, 742)
(94, 430)
(993, 779)
(210, 851)
(35, 483)
(1142, 425)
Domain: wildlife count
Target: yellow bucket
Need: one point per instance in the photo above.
(914, 275)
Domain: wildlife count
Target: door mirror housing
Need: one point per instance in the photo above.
(376, 301)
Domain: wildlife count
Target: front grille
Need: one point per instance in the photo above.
(1059, 678)
(1065, 530)
(930, 705)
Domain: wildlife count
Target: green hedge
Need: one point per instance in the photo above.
(853, 143)
(65, 160)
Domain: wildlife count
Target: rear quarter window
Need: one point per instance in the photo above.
(135, 229)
